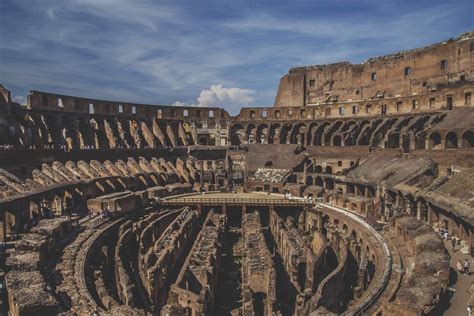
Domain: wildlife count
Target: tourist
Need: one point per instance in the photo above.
(453, 243)
(446, 234)
(441, 232)
(466, 267)
(459, 266)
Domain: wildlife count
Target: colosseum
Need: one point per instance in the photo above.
(352, 195)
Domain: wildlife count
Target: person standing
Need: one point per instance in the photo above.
(459, 266)
(466, 267)
(453, 243)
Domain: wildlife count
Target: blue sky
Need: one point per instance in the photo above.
(227, 53)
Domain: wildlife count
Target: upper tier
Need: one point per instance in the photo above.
(64, 103)
(400, 74)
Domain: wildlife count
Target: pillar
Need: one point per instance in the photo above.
(418, 210)
(408, 206)
(3, 227)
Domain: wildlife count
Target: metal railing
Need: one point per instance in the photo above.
(375, 294)
(237, 200)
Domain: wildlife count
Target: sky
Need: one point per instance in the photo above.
(226, 53)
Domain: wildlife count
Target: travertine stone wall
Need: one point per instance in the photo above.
(399, 74)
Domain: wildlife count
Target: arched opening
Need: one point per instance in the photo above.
(202, 141)
(251, 133)
(274, 133)
(468, 139)
(329, 184)
(435, 140)
(259, 299)
(345, 229)
(337, 141)
(319, 181)
(262, 134)
(297, 134)
(451, 140)
(328, 170)
(370, 191)
(237, 135)
(350, 188)
(35, 212)
(309, 180)
(318, 169)
(285, 134)
(393, 140)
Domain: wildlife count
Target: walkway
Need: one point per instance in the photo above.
(458, 303)
(253, 199)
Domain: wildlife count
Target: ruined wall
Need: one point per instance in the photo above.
(403, 73)
(258, 269)
(39, 100)
(194, 289)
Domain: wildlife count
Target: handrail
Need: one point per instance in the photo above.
(369, 301)
(237, 201)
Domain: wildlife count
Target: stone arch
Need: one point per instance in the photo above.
(318, 169)
(328, 170)
(350, 127)
(274, 133)
(262, 134)
(297, 134)
(237, 135)
(393, 140)
(350, 188)
(435, 140)
(329, 183)
(285, 134)
(362, 136)
(309, 180)
(345, 229)
(335, 127)
(468, 139)
(318, 139)
(319, 181)
(251, 133)
(311, 133)
(337, 140)
(451, 140)
(354, 235)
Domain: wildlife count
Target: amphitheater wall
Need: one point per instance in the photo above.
(401, 73)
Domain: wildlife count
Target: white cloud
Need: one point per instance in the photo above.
(19, 99)
(219, 96)
(179, 103)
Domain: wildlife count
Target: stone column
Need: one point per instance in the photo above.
(408, 206)
(3, 227)
(319, 221)
(418, 210)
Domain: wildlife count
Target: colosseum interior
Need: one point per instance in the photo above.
(353, 195)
